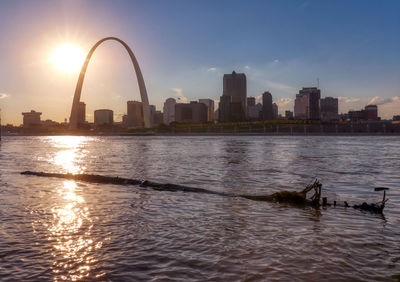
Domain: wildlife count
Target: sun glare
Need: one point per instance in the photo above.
(68, 58)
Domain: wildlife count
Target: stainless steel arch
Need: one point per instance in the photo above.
(73, 121)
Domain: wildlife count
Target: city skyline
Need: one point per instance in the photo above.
(185, 53)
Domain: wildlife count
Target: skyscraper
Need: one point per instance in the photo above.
(329, 109)
(194, 112)
(135, 114)
(267, 111)
(81, 113)
(234, 87)
(275, 114)
(306, 105)
(169, 110)
(210, 108)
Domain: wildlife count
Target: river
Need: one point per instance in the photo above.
(55, 229)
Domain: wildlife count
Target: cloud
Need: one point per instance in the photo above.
(3, 95)
(246, 67)
(179, 95)
(284, 101)
(212, 69)
(280, 86)
(276, 61)
(348, 100)
(377, 100)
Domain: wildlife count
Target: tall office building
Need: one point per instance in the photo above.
(169, 110)
(275, 114)
(81, 113)
(194, 112)
(103, 117)
(371, 112)
(210, 108)
(306, 105)
(135, 114)
(329, 108)
(267, 111)
(233, 99)
(31, 118)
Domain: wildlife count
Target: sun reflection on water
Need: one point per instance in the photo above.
(71, 231)
(71, 153)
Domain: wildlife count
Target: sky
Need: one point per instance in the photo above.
(184, 48)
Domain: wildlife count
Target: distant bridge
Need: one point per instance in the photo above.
(73, 121)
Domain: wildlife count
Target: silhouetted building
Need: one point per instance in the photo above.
(371, 112)
(329, 108)
(267, 110)
(169, 110)
(275, 111)
(134, 115)
(210, 108)
(288, 115)
(224, 109)
(306, 105)
(357, 115)
(254, 112)
(396, 118)
(49, 122)
(81, 113)
(158, 118)
(103, 117)
(194, 112)
(234, 87)
(31, 118)
(152, 113)
(251, 101)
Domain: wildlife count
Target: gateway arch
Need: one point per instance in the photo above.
(73, 121)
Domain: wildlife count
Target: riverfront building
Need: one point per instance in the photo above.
(210, 108)
(134, 115)
(31, 118)
(306, 105)
(233, 100)
(267, 110)
(169, 110)
(103, 117)
(81, 113)
(371, 112)
(194, 112)
(329, 108)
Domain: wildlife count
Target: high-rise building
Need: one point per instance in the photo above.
(251, 101)
(254, 112)
(371, 112)
(31, 118)
(81, 113)
(169, 110)
(158, 118)
(275, 111)
(306, 105)
(210, 108)
(329, 108)
(152, 113)
(234, 87)
(103, 117)
(194, 112)
(134, 115)
(267, 111)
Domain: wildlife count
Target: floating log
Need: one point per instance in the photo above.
(289, 197)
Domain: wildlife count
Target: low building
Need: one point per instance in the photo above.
(31, 118)
(396, 118)
(288, 115)
(103, 117)
(81, 113)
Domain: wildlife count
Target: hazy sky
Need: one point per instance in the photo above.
(185, 47)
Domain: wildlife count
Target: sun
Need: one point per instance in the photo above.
(68, 58)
